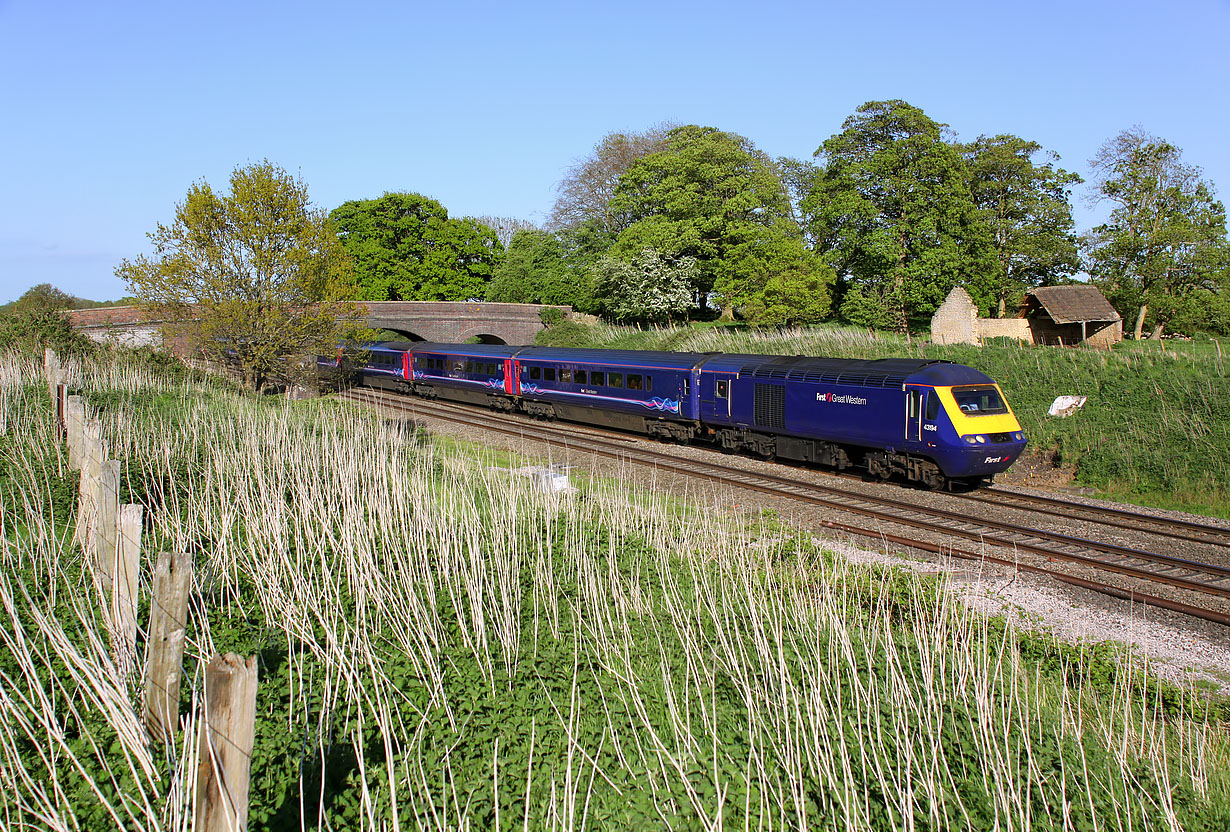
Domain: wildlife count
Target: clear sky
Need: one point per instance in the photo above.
(110, 111)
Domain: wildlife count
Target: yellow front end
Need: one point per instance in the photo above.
(967, 424)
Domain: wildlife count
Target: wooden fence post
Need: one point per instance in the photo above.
(225, 747)
(62, 411)
(124, 586)
(168, 625)
(92, 456)
(76, 431)
(106, 518)
(51, 366)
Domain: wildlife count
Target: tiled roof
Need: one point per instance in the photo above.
(1073, 304)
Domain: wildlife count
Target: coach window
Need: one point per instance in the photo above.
(614, 379)
(565, 376)
(648, 384)
(458, 366)
(535, 373)
(597, 379)
(722, 388)
(933, 406)
(581, 377)
(635, 382)
(548, 374)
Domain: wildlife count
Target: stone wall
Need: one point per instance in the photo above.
(1017, 328)
(956, 321)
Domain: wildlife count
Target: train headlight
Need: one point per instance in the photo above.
(1018, 436)
(976, 439)
(982, 440)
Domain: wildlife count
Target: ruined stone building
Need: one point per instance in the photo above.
(1055, 315)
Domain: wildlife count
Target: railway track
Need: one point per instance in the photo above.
(1207, 583)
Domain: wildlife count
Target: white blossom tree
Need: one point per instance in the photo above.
(649, 289)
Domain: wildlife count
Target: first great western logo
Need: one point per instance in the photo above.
(836, 398)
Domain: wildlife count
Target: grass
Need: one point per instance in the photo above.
(441, 646)
(1155, 429)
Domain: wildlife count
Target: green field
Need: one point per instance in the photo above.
(1155, 430)
(442, 646)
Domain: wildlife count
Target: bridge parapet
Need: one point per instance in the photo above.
(510, 323)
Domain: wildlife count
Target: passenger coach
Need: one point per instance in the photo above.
(933, 422)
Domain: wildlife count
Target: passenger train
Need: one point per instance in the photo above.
(936, 423)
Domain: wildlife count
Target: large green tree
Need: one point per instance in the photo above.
(1165, 240)
(1028, 209)
(712, 196)
(406, 247)
(893, 213)
(256, 273)
(535, 270)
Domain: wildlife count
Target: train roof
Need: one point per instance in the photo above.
(880, 372)
(617, 358)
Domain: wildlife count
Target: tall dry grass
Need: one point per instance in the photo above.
(443, 646)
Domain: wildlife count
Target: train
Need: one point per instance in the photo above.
(935, 423)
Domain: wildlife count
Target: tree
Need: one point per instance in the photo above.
(1028, 209)
(892, 212)
(583, 197)
(44, 297)
(405, 247)
(712, 196)
(649, 289)
(505, 228)
(1166, 235)
(534, 270)
(256, 273)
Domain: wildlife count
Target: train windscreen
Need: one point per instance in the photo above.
(979, 401)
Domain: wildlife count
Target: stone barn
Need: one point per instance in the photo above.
(1067, 315)
(1058, 315)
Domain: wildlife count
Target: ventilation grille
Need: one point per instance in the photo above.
(1001, 437)
(770, 406)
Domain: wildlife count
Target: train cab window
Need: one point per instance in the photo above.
(548, 374)
(580, 377)
(597, 379)
(535, 373)
(721, 388)
(635, 382)
(979, 401)
(565, 376)
(933, 405)
(614, 379)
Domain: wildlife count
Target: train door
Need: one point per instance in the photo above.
(914, 414)
(510, 382)
(715, 396)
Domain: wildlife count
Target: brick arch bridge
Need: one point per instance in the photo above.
(493, 323)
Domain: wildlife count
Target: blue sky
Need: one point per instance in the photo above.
(110, 111)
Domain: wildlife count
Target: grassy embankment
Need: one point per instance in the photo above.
(443, 647)
(1155, 430)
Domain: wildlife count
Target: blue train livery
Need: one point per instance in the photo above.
(933, 422)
